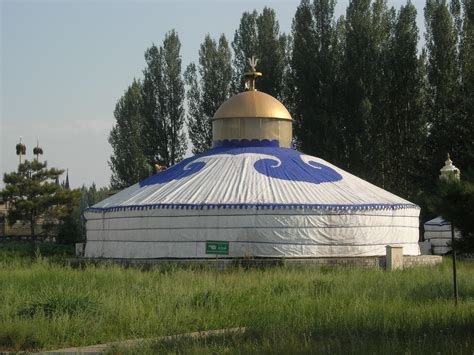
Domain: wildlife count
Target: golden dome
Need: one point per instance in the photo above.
(249, 104)
(252, 117)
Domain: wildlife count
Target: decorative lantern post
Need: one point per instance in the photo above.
(37, 150)
(450, 173)
(20, 149)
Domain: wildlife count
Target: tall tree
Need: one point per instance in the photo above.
(259, 35)
(208, 90)
(381, 32)
(302, 75)
(466, 63)
(128, 162)
(368, 29)
(163, 100)
(357, 66)
(443, 86)
(405, 107)
(314, 67)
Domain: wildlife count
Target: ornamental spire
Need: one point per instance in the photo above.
(66, 183)
(449, 171)
(252, 75)
(37, 150)
(20, 149)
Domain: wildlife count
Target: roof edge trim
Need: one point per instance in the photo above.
(257, 206)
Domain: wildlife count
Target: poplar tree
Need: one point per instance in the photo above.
(163, 100)
(443, 90)
(209, 85)
(303, 76)
(364, 74)
(314, 66)
(404, 107)
(381, 32)
(357, 69)
(466, 64)
(128, 162)
(259, 35)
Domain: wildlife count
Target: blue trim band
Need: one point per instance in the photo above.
(246, 206)
(234, 143)
(247, 227)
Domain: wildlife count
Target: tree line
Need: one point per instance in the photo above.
(35, 198)
(363, 93)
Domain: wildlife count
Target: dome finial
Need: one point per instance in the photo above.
(449, 171)
(251, 75)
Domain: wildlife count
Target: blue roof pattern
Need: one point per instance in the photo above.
(253, 175)
(283, 163)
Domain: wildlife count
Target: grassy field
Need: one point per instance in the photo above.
(47, 305)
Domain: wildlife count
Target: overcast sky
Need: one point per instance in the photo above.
(64, 65)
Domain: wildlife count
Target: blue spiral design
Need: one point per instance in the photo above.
(286, 165)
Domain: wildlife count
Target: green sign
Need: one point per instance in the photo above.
(218, 248)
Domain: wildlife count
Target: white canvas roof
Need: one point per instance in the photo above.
(254, 176)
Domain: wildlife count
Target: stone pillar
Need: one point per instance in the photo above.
(394, 257)
(80, 247)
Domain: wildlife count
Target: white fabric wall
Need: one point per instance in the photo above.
(179, 233)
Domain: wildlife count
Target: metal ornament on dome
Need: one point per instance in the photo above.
(252, 117)
(251, 76)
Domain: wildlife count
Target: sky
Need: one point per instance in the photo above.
(64, 64)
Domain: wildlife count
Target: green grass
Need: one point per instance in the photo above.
(19, 252)
(284, 343)
(46, 305)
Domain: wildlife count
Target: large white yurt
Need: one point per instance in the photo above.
(255, 193)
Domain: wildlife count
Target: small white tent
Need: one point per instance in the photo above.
(438, 234)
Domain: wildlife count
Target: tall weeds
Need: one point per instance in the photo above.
(46, 305)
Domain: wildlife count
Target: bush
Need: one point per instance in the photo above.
(70, 230)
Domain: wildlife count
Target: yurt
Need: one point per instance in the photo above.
(253, 194)
(438, 234)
